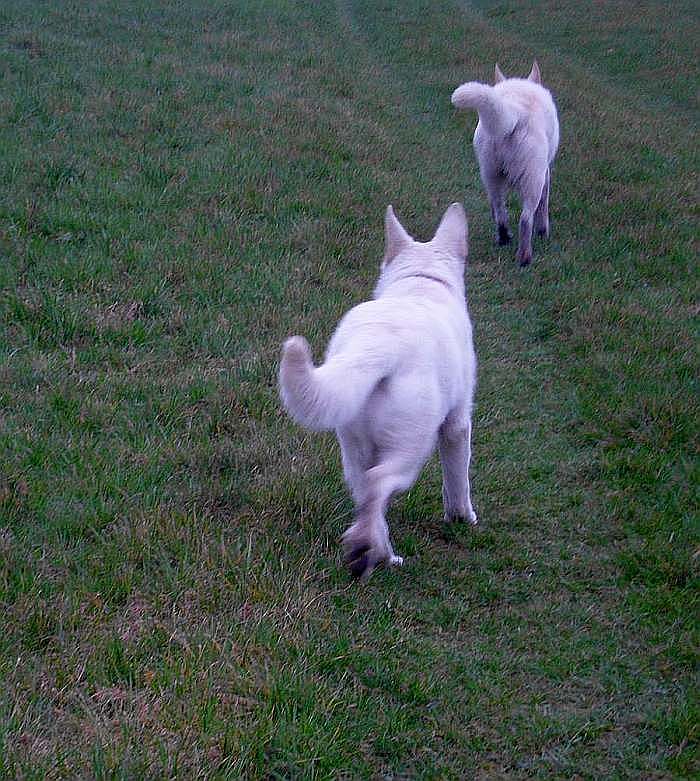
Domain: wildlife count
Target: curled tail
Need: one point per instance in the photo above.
(497, 117)
(323, 397)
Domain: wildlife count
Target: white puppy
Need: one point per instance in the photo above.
(399, 376)
(515, 143)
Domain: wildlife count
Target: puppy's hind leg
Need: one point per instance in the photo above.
(366, 542)
(357, 454)
(542, 212)
(455, 455)
(531, 193)
(496, 187)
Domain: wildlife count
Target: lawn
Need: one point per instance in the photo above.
(184, 185)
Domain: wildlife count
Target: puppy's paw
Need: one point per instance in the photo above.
(360, 553)
(524, 258)
(469, 517)
(359, 560)
(504, 236)
(363, 553)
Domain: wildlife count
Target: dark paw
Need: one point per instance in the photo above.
(543, 232)
(504, 235)
(453, 518)
(358, 560)
(525, 260)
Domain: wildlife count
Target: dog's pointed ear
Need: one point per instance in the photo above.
(499, 77)
(452, 231)
(535, 73)
(395, 237)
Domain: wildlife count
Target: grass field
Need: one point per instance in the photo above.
(182, 186)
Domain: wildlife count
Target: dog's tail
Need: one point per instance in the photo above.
(327, 396)
(495, 114)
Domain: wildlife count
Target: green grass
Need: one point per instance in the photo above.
(182, 186)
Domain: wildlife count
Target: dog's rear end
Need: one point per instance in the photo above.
(515, 142)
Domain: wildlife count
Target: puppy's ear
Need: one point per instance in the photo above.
(535, 73)
(452, 231)
(395, 237)
(499, 77)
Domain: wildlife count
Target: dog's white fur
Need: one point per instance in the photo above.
(399, 376)
(515, 143)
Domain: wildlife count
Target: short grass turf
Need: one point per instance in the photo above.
(183, 185)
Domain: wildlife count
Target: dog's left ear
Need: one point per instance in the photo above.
(498, 75)
(452, 231)
(535, 73)
(395, 237)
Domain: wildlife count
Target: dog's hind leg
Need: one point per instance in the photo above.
(531, 192)
(542, 212)
(357, 453)
(367, 542)
(455, 455)
(496, 188)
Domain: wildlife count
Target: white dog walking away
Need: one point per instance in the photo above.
(515, 143)
(398, 377)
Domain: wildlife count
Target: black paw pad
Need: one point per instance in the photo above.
(504, 235)
(357, 559)
(358, 566)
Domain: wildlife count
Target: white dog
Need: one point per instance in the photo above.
(515, 143)
(399, 376)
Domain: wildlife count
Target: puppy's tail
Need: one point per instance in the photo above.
(328, 396)
(497, 117)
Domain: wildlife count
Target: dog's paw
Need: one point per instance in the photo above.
(359, 560)
(524, 258)
(504, 236)
(469, 518)
(360, 550)
(363, 554)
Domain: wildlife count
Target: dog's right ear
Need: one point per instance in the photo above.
(395, 237)
(499, 77)
(535, 73)
(452, 231)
